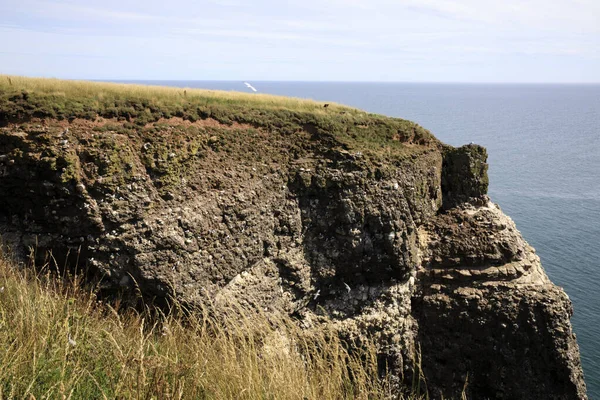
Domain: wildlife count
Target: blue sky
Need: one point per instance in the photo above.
(322, 40)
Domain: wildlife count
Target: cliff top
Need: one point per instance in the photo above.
(22, 99)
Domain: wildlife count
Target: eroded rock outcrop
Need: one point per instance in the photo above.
(487, 311)
(408, 250)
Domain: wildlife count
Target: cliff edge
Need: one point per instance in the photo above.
(330, 214)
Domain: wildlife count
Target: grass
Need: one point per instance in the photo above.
(103, 92)
(60, 341)
(24, 98)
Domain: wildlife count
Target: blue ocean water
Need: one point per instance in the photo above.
(544, 154)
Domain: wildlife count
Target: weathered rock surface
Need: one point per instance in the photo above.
(410, 252)
(486, 309)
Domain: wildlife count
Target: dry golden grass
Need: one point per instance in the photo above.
(105, 91)
(59, 341)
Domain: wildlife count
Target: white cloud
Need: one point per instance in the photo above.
(69, 10)
(319, 36)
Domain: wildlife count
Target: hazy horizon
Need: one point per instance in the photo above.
(166, 80)
(118, 80)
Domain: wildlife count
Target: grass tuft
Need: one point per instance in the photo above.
(60, 341)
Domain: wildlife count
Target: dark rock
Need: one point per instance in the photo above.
(464, 176)
(291, 225)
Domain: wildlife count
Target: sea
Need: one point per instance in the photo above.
(543, 142)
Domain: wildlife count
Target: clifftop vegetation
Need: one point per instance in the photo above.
(25, 98)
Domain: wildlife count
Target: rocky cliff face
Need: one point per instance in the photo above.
(486, 308)
(406, 249)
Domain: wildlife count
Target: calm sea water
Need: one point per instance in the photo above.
(544, 155)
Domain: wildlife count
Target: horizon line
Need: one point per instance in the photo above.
(336, 81)
(124, 80)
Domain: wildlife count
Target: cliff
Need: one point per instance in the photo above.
(330, 214)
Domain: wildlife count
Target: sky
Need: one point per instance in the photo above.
(534, 41)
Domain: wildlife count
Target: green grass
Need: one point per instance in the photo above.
(24, 98)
